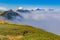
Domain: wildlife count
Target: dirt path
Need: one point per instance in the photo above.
(11, 37)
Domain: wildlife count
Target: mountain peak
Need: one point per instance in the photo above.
(51, 9)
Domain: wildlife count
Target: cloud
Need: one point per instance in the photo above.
(39, 16)
(20, 8)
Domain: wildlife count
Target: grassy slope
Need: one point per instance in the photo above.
(28, 32)
(1, 13)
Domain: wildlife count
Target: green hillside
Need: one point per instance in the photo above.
(24, 32)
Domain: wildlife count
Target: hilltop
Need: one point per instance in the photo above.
(24, 32)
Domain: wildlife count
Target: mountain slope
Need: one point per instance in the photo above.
(26, 32)
(10, 14)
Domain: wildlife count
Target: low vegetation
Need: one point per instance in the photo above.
(1, 13)
(24, 32)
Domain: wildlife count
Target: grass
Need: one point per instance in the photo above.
(1, 13)
(24, 32)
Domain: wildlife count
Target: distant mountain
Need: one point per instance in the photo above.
(38, 9)
(23, 10)
(50, 9)
(10, 14)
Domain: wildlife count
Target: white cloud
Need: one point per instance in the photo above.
(20, 8)
(41, 15)
(26, 16)
(38, 16)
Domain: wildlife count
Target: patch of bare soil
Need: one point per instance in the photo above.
(11, 37)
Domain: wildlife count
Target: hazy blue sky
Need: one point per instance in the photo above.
(29, 3)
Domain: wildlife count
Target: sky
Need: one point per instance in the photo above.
(12, 4)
